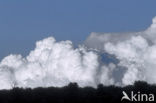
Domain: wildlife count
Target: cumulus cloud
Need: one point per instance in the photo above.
(135, 51)
(53, 63)
(119, 59)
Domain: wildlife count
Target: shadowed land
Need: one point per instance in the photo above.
(74, 94)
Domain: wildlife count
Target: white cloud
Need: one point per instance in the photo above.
(135, 51)
(54, 63)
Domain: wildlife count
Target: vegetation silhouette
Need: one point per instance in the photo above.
(74, 94)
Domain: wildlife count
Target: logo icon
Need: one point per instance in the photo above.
(137, 96)
(125, 96)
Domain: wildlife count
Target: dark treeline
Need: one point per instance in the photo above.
(74, 94)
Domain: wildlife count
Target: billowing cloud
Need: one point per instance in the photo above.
(119, 59)
(53, 63)
(134, 51)
(97, 40)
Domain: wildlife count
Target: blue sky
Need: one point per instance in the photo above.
(23, 22)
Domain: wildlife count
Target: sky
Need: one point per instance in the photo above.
(119, 38)
(23, 22)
